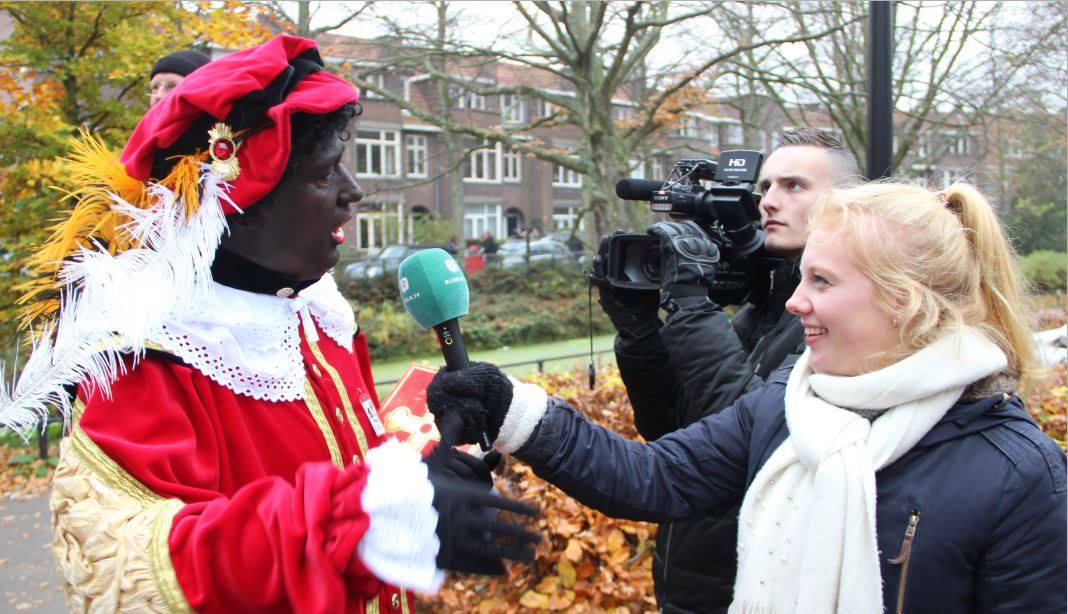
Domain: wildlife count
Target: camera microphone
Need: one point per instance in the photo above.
(434, 292)
(638, 189)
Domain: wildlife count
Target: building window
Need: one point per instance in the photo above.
(378, 80)
(511, 166)
(923, 147)
(565, 216)
(480, 218)
(688, 127)
(566, 178)
(959, 145)
(377, 153)
(621, 112)
(482, 166)
(467, 100)
(545, 108)
(513, 109)
(711, 134)
(415, 146)
(732, 134)
(638, 169)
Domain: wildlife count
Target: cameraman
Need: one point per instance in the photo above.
(697, 361)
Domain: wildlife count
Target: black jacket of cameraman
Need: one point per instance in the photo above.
(698, 363)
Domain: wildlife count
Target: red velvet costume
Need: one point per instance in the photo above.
(236, 466)
(271, 490)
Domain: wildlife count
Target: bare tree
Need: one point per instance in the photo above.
(944, 75)
(582, 60)
(340, 13)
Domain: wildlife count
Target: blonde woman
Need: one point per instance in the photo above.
(892, 468)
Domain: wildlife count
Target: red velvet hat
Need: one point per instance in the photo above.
(252, 93)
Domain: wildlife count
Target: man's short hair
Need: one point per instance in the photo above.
(846, 169)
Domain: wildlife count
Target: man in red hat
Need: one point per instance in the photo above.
(225, 451)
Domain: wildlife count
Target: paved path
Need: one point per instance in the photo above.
(28, 579)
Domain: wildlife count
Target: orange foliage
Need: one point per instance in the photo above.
(586, 561)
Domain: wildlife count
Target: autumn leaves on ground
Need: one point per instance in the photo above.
(586, 562)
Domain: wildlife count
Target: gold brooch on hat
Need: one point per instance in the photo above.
(223, 152)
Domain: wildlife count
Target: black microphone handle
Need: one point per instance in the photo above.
(451, 341)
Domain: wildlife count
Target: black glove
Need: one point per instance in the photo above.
(472, 468)
(634, 314)
(473, 537)
(687, 261)
(478, 395)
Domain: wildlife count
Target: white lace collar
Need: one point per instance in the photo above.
(250, 343)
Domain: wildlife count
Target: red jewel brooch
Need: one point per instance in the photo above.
(223, 152)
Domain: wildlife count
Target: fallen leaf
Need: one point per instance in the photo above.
(547, 585)
(567, 574)
(573, 552)
(532, 599)
(560, 601)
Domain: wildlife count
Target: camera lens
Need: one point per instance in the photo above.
(650, 263)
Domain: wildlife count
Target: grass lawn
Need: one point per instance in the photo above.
(509, 355)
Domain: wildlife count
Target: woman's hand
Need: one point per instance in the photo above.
(470, 405)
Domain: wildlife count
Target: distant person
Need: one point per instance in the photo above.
(488, 244)
(535, 232)
(453, 246)
(169, 71)
(574, 244)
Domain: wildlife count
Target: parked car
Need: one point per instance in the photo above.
(514, 253)
(386, 262)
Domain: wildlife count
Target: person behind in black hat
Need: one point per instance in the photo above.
(169, 71)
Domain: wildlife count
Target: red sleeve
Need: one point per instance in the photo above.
(239, 544)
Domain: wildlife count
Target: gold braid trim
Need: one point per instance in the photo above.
(110, 542)
(160, 557)
(346, 402)
(316, 410)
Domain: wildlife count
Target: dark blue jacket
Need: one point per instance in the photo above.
(984, 491)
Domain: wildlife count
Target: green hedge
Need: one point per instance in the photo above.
(516, 306)
(1047, 270)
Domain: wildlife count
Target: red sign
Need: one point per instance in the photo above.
(405, 415)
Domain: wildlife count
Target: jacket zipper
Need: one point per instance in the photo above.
(904, 556)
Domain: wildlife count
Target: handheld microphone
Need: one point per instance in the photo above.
(434, 292)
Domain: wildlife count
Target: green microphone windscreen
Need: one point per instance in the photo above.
(432, 287)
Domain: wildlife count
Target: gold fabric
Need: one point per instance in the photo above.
(316, 410)
(335, 377)
(110, 535)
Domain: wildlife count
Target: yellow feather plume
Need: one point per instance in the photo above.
(100, 177)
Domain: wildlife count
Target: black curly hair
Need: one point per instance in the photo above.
(310, 131)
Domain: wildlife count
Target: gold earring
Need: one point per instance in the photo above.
(894, 322)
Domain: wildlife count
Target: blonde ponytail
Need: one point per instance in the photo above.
(1000, 282)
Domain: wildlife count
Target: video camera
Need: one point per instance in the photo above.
(727, 212)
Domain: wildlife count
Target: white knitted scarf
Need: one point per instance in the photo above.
(806, 535)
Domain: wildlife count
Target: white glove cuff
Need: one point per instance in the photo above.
(400, 545)
(529, 403)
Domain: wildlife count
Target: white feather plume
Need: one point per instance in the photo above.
(111, 304)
